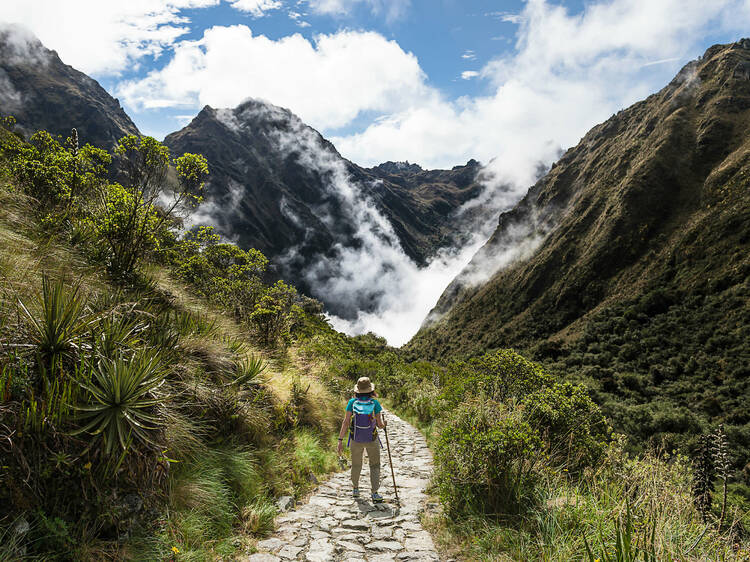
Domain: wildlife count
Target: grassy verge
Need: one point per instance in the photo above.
(141, 419)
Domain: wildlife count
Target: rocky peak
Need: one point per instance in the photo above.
(391, 167)
(42, 92)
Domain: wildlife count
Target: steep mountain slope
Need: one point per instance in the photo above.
(279, 186)
(639, 280)
(42, 92)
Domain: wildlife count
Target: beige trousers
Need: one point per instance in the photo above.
(373, 454)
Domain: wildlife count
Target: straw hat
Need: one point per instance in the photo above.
(364, 385)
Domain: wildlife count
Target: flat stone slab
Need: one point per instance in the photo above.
(271, 545)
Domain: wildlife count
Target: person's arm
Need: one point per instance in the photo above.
(379, 420)
(344, 428)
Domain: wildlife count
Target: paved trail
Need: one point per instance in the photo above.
(334, 527)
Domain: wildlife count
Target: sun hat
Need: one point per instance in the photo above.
(364, 386)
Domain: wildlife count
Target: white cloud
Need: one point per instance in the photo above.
(257, 8)
(100, 36)
(567, 73)
(392, 9)
(469, 74)
(507, 17)
(328, 82)
(469, 55)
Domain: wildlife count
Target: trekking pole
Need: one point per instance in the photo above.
(390, 460)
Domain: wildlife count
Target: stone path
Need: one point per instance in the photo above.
(333, 526)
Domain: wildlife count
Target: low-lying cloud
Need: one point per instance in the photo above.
(366, 279)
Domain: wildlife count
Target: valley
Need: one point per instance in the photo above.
(172, 376)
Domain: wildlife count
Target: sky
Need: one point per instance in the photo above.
(430, 81)
(437, 82)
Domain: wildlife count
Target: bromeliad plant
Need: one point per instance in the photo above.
(249, 372)
(60, 321)
(121, 399)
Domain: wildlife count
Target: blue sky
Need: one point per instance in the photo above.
(448, 37)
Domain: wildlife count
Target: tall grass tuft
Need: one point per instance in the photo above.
(310, 456)
(258, 517)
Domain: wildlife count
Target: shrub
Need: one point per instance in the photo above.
(485, 459)
(500, 376)
(128, 219)
(275, 313)
(572, 427)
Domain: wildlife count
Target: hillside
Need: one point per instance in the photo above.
(639, 284)
(43, 93)
(277, 185)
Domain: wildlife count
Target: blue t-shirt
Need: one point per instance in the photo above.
(350, 405)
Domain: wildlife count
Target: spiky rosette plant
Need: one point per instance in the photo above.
(58, 321)
(121, 400)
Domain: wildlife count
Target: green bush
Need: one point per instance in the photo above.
(500, 376)
(485, 458)
(572, 427)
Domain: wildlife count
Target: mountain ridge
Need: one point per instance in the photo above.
(278, 185)
(43, 93)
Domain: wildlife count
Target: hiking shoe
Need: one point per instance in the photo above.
(377, 498)
(355, 493)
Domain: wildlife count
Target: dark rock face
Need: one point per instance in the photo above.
(615, 217)
(42, 92)
(277, 185)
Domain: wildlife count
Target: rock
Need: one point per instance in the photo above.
(261, 557)
(271, 545)
(419, 541)
(285, 503)
(355, 524)
(321, 550)
(128, 506)
(381, 558)
(21, 528)
(289, 552)
(381, 546)
(350, 546)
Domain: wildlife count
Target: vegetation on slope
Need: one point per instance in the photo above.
(527, 468)
(150, 406)
(641, 287)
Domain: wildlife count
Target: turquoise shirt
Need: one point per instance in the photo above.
(350, 406)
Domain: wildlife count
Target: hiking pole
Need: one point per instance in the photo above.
(390, 460)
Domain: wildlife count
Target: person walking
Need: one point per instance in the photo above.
(362, 419)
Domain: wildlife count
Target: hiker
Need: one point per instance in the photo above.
(367, 417)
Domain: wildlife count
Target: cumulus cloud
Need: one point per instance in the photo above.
(566, 73)
(103, 37)
(257, 8)
(391, 9)
(328, 81)
(469, 74)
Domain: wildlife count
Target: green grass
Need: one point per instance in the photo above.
(311, 455)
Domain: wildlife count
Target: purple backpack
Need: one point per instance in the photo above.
(363, 421)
